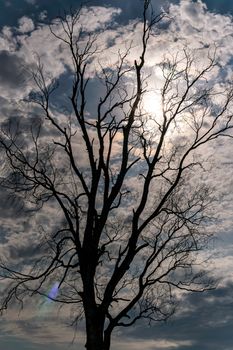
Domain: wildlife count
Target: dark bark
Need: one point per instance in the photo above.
(94, 330)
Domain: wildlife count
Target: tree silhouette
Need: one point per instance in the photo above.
(131, 213)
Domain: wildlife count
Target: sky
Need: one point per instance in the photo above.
(203, 321)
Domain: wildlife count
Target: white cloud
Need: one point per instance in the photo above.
(192, 25)
(43, 15)
(55, 57)
(149, 344)
(25, 25)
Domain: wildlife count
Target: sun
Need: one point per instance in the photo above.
(152, 104)
(152, 107)
(154, 118)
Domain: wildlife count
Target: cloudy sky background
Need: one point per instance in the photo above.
(204, 321)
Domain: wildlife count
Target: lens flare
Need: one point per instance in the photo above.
(46, 304)
(54, 291)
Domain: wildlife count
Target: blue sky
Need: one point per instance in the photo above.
(12, 10)
(203, 321)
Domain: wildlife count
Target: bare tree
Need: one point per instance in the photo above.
(132, 214)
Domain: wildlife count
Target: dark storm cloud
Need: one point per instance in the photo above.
(26, 251)
(12, 72)
(6, 109)
(30, 327)
(4, 235)
(20, 125)
(205, 319)
(11, 205)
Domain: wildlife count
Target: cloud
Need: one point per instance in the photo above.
(25, 25)
(12, 72)
(43, 15)
(13, 205)
(7, 40)
(7, 3)
(157, 344)
(35, 325)
(192, 25)
(204, 321)
(31, 42)
(55, 57)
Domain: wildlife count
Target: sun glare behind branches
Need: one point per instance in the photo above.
(152, 104)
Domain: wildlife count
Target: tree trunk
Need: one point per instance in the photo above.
(107, 339)
(94, 315)
(94, 331)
